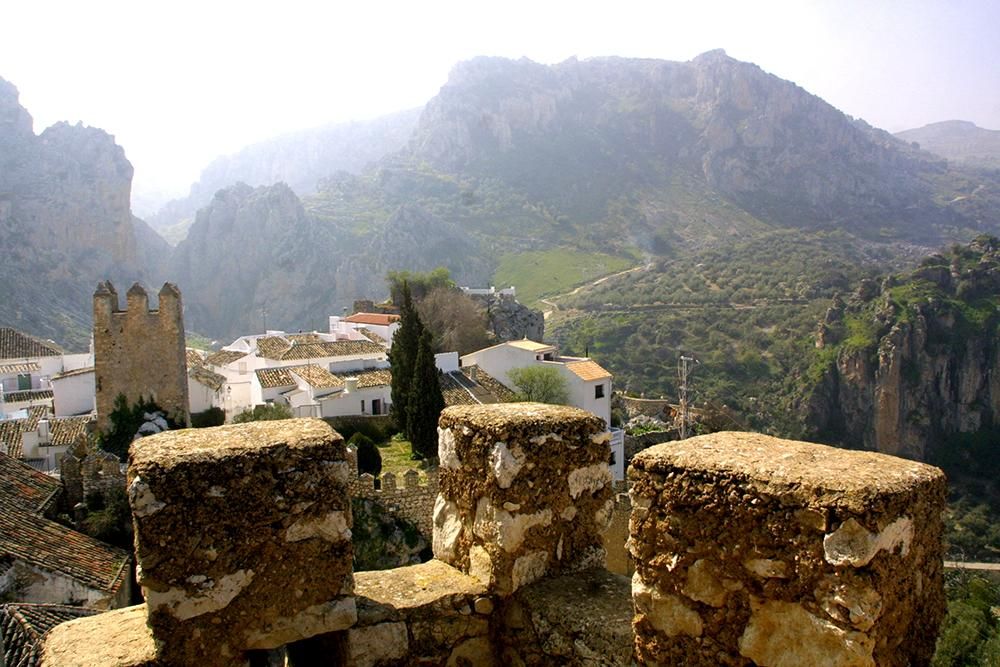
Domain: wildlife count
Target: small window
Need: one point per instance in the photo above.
(24, 381)
(599, 391)
(362, 406)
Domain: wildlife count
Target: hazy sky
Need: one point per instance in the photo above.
(181, 82)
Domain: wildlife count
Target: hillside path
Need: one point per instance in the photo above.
(553, 306)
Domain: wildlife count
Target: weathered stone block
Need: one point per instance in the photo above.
(120, 638)
(242, 537)
(525, 491)
(754, 550)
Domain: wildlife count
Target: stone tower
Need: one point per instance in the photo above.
(139, 352)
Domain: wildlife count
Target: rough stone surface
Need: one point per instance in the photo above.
(120, 638)
(439, 615)
(754, 550)
(576, 619)
(242, 537)
(139, 352)
(524, 492)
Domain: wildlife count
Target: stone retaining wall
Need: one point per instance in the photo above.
(402, 495)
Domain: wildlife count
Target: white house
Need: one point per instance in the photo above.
(588, 383)
(27, 368)
(377, 327)
(306, 371)
(74, 392)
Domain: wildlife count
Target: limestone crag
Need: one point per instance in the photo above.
(922, 365)
(64, 215)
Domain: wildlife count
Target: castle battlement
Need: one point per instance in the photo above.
(138, 351)
(748, 550)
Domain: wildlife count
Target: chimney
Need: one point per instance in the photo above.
(351, 385)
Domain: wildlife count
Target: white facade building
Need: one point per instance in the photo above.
(589, 385)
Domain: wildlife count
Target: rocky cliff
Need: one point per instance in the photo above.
(911, 366)
(582, 133)
(65, 222)
(300, 160)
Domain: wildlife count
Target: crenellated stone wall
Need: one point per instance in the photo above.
(97, 472)
(403, 495)
(753, 550)
(139, 352)
(242, 537)
(525, 491)
(748, 550)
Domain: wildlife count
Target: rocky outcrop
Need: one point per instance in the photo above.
(300, 160)
(65, 218)
(582, 132)
(915, 362)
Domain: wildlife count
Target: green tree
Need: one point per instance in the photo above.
(970, 633)
(402, 357)
(263, 413)
(425, 402)
(542, 384)
(125, 422)
(369, 458)
(457, 322)
(418, 284)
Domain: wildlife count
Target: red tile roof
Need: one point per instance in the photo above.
(23, 626)
(379, 319)
(24, 488)
(17, 345)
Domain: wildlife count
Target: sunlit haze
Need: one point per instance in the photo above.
(180, 83)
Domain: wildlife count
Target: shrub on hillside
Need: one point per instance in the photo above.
(261, 413)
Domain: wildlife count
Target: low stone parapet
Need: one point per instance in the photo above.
(754, 550)
(525, 491)
(583, 619)
(243, 537)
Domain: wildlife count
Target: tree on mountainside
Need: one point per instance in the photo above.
(402, 357)
(425, 402)
(457, 323)
(419, 284)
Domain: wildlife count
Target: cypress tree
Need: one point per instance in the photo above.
(425, 401)
(402, 357)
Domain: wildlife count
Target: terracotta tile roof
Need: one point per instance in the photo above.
(300, 338)
(340, 348)
(317, 376)
(372, 336)
(27, 395)
(373, 377)
(68, 430)
(501, 391)
(17, 345)
(193, 357)
(51, 546)
(530, 345)
(23, 625)
(587, 370)
(271, 378)
(6, 369)
(24, 488)
(378, 319)
(454, 391)
(12, 430)
(223, 357)
(210, 379)
(272, 347)
(73, 373)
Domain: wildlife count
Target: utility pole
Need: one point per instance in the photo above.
(684, 366)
